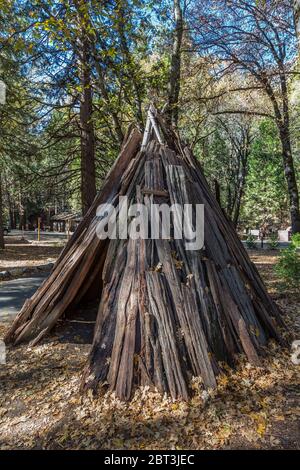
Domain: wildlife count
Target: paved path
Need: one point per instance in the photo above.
(77, 329)
(14, 293)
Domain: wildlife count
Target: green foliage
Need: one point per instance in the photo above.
(131, 43)
(273, 241)
(296, 240)
(265, 197)
(40, 128)
(288, 266)
(250, 242)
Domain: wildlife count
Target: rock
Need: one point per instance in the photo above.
(45, 267)
(27, 270)
(4, 275)
(16, 271)
(205, 396)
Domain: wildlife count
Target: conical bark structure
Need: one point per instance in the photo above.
(166, 314)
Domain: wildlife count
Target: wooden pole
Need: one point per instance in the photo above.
(39, 229)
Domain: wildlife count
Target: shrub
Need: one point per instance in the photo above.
(250, 242)
(296, 240)
(273, 241)
(288, 266)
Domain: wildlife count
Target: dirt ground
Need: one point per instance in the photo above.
(252, 408)
(20, 253)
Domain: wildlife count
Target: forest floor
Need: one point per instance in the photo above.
(252, 408)
(20, 253)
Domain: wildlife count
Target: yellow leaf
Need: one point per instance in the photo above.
(178, 264)
(158, 267)
(261, 429)
(223, 380)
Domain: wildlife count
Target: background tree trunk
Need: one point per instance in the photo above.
(244, 154)
(289, 171)
(297, 19)
(283, 123)
(229, 203)
(217, 191)
(12, 215)
(174, 80)
(239, 196)
(88, 172)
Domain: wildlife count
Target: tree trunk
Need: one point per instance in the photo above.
(88, 173)
(217, 191)
(289, 171)
(174, 80)
(288, 161)
(282, 120)
(12, 215)
(297, 19)
(22, 218)
(240, 193)
(1, 217)
(12, 212)
(11, 219)
(243, 169)
(229, 202)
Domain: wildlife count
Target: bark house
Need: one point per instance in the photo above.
(165, 314)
